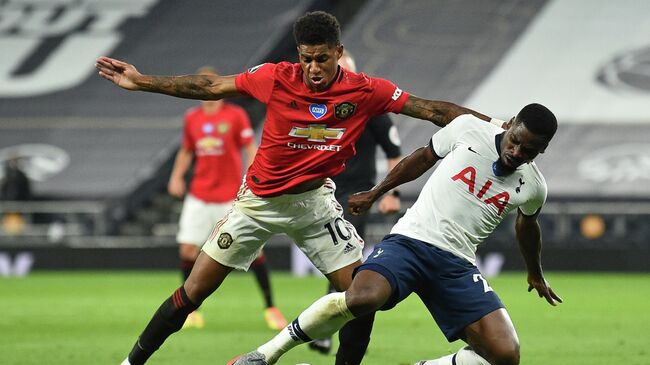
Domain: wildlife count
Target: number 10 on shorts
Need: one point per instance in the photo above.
(486, 286)
(339, 230)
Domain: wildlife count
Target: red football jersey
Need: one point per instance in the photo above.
(216, 141)
(310, 134)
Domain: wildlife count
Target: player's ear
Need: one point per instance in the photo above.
(339, 51)
(509, 123)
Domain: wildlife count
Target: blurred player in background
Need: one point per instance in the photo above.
(315, 113)
(484, 174)
(214, 135)
(360, 174)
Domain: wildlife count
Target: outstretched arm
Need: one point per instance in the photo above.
(201, 87)
(438, 112)
(529, 237)
(409, 168)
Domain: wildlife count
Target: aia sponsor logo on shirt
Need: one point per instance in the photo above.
(318, 110)
(468, 176)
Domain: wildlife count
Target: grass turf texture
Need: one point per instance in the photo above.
(94, 317)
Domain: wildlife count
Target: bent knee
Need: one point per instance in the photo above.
(364, 301)
(360, 303)
(367, 293)
(505, 354)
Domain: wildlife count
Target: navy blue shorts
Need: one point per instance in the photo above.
(452, 288)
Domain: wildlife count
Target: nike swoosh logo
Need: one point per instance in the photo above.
(470, 149)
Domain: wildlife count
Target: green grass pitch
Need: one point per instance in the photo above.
(74, 318)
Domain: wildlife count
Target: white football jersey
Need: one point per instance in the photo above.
(463, 201)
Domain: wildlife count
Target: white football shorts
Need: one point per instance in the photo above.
(198, 218)
(313, 219)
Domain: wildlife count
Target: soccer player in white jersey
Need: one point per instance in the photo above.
(485, 173)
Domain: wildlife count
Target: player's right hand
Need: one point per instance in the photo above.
(120, 73)
(176, 188)
(359, 203)
(543, 289)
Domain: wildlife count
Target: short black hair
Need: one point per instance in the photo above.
(538, 119)
(317, 27)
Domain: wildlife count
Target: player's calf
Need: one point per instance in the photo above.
(169, 318)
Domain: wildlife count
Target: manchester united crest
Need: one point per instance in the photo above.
(224, 241)
(344, 110)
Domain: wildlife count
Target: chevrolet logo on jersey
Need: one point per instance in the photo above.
(317, 132)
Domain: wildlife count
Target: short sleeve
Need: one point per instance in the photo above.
(187, 141)
(387, 97)
(386, 135)
(535, 202)
(257, 81)
(444, 140)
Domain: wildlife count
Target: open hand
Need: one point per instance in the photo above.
(543, 289)
(120, 73)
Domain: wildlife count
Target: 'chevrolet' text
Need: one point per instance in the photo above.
(319, 147)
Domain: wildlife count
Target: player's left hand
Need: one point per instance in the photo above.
(359, 203)
(543, 289)
(389, 204)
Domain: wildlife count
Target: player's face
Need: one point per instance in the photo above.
(319, 64)
(519, 145)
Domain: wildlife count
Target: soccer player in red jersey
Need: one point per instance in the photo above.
(214, 136)
(315, 113)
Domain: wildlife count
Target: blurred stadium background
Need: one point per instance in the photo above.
(98, 158)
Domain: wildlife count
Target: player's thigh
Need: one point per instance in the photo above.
(195, 222)
(494, 337)
(237, 239)
(368, 292)
(206, 276)
(397, 261)
(455, 293)
(327, 239)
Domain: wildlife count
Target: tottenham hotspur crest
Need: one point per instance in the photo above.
(344, 110)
